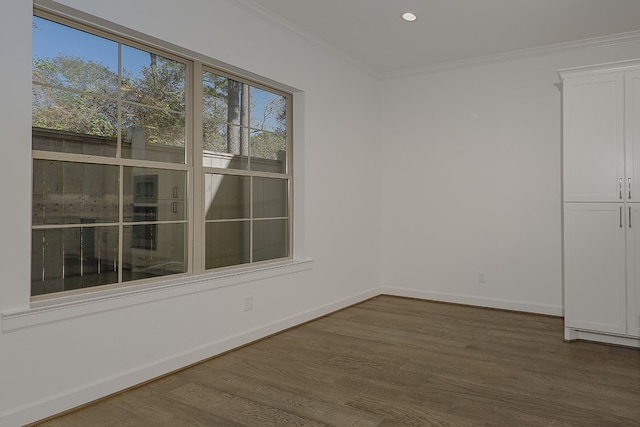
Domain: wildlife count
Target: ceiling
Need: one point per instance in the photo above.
(372, 34)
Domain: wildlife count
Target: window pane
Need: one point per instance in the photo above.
(219, 148)
(225, 122)
(215, 90)
(151, 134)
(154, 195)
(153, 80)
(268, 152)
(73, 258)
(66, 122)
(66, 57)
(270, 197)
(227, 197)
(155, 250)
(227, 243)
(270, 239)
(268, 111)
(268, 131)
(74, 193)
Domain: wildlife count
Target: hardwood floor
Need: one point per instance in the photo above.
(389, 362)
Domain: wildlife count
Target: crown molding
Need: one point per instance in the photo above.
(595, 42)
(607, 67)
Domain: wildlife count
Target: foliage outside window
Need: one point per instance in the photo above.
(116, 163)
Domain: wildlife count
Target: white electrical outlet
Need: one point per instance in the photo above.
(481, 278)
(248, 303)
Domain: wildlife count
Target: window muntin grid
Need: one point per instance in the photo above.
(140, 130)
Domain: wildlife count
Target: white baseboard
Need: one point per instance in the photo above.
(571, 334)
(476, 301)
(86, 393)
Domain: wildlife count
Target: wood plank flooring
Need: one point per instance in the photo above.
(391, 362)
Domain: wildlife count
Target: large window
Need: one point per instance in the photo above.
(149, 164)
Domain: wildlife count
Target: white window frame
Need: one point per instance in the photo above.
(200, 170)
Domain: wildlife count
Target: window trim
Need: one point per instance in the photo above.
(59, 307)
(193, 165)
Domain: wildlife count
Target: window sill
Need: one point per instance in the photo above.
(63, 308)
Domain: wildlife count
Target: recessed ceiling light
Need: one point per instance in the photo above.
(408, 16)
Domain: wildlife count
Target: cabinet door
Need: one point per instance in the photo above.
(632, 135)
(594, 260)
(593, 139)
(633, 269)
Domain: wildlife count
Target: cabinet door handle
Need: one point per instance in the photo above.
(620, 187)
(629, 188)
(620, 216)
(629, 216)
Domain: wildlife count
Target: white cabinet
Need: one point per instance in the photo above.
(594, 266)
(632, 133)
(601, 172)
(593, 144)
(633, 270)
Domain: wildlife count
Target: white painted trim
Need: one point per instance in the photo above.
(63, 308)
(571, 334)
(299, 185)
(632, 36)
(475, 301)
(60, 402)
(609, 67)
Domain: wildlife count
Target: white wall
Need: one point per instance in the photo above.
(472, 182)
(463, 173)
(50, 366)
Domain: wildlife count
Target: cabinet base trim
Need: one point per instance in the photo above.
(571, 334)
